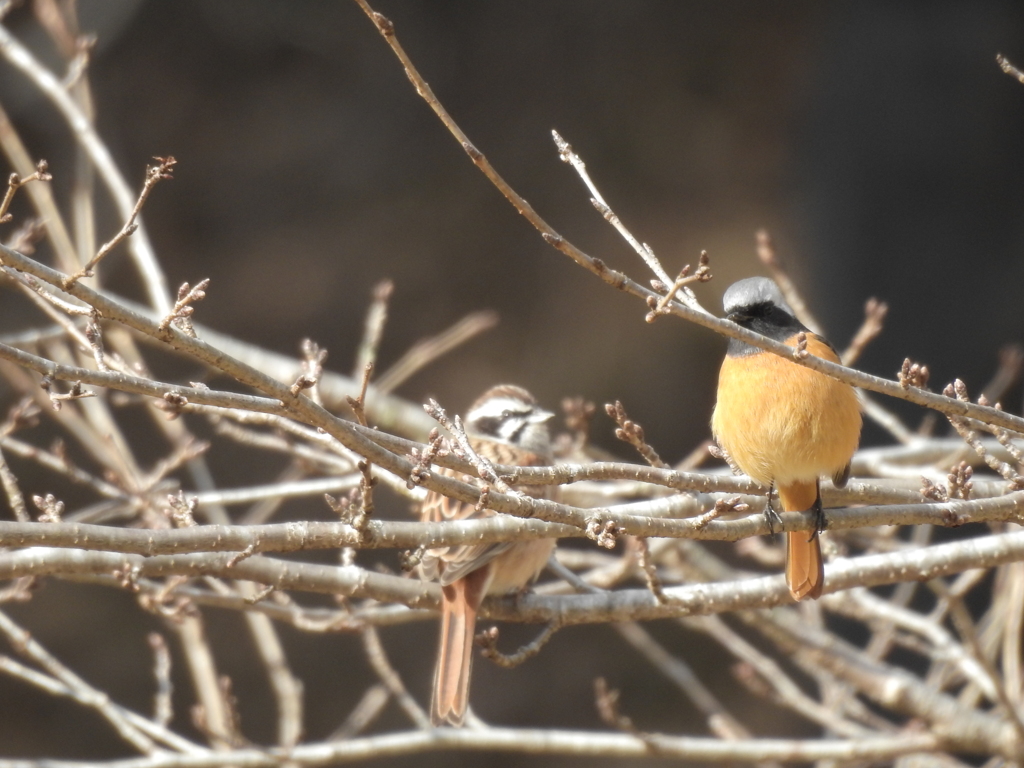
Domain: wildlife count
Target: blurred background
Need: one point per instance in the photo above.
(878, 143)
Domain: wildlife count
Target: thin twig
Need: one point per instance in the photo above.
(11, 488)
(488, 640)
(631, 432)
(484, 468)
(40, 194)
(288, 689)
(719, 720)
(14, 182)
(874, 321)
(566, 153)
(154, 173)
(373, 328)
(23, 642)
(622, 282)
(1008, 68)
(650, 570)
(213, 709)
(959, 390)
(84, 132)
(684, 278)
(365, 712)
(966, 629)
(163, 710)
(392, 681)
(766, 253)
(313, 359)
(426, 351)
(181, 313)
(367, 482)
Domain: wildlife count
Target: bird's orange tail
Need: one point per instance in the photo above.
(805, 573)
(459, 605)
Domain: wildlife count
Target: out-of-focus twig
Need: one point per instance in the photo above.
(766, 253)
(162, 708)
(21, 58)
(15, 498)
(23, 642)
(15, 182)
(390, 678)
(425, 351)
(874, 321)
(373, 328)
(1008, 68)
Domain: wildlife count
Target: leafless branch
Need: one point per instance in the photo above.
(874, 321)
(14, 182)
(181, 313)
(373, 328)
(1008, 68)
(156, 524)
(22, 642)
(154, 173)
(424, 352)
(22, 59)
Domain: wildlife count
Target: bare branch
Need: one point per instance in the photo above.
(14, 182)
(620, 281)
(874, 321)
(1008, 68)
(288, 689)
(391, 680)
(163, 710)
(373, 328)
(684, 278)
(426, 351)
(181, 314)
(14, 496)
(21, 58)
(23, 642)
(579, 744)
(631, 432)
(488, 640)
(623, 605)
(168, 538)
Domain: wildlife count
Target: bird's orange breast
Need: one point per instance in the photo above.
(782, 422)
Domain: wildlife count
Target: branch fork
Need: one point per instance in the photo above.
(164, 169)
(15, 182)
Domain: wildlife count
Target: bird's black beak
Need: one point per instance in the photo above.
(738, 317)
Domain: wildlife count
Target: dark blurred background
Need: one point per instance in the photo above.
(879, 143)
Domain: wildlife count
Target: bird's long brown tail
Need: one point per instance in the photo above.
(805, 574)
(459, 605)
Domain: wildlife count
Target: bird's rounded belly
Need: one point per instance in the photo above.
(781, 422)
(519, 565)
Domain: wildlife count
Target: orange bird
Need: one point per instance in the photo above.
(783, 424)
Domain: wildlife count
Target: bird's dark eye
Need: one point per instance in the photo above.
(506, 413)
(488, 425)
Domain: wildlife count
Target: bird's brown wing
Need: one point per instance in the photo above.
(447, 564)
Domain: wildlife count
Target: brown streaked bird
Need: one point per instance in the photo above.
(506, 426)
(783, 424)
